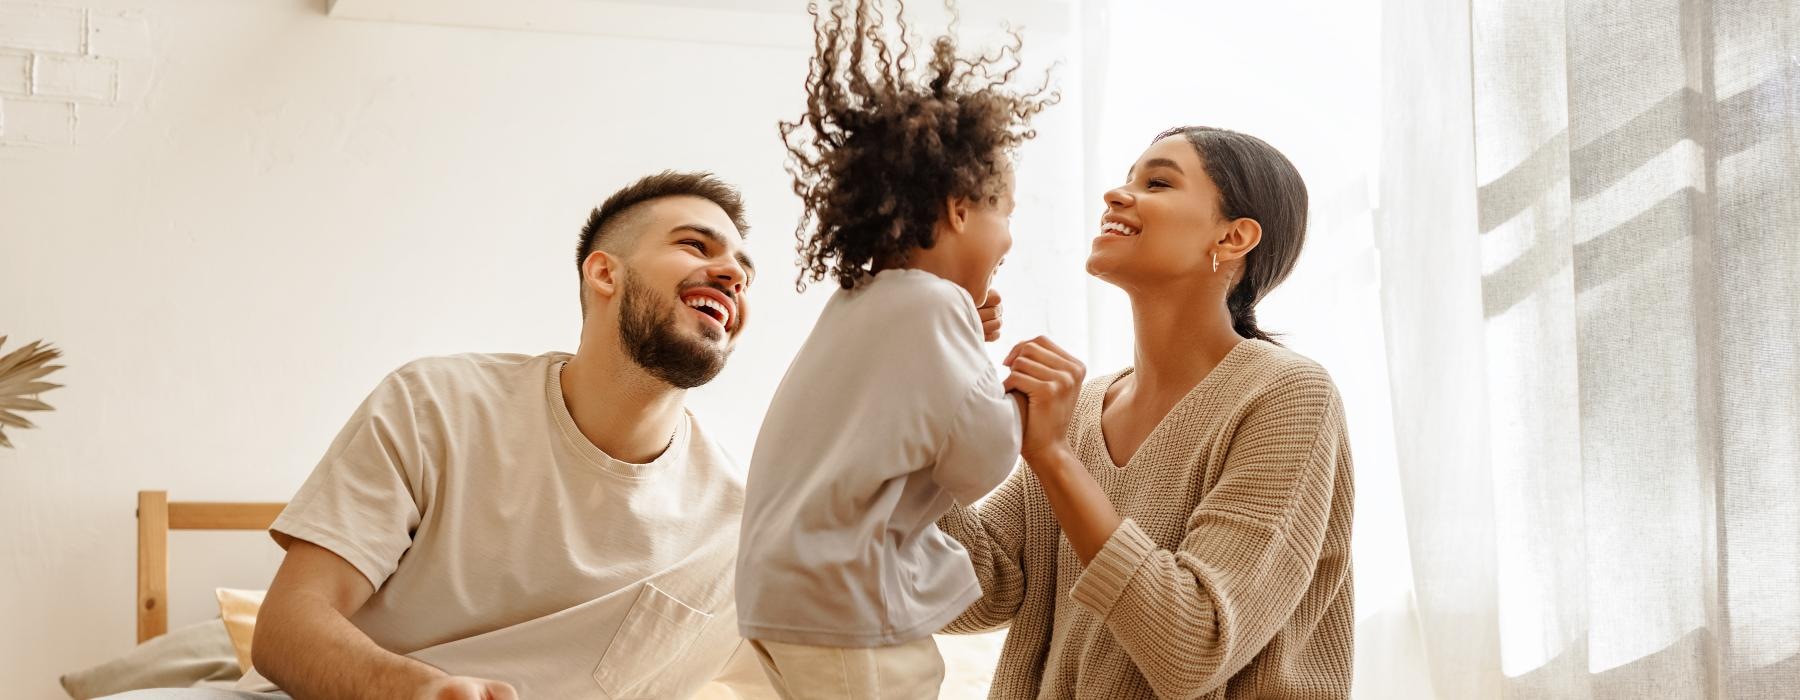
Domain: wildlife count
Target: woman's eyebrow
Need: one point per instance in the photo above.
(1164, 163)
(1156, 163)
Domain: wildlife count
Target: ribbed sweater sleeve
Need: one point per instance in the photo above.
(994, 533)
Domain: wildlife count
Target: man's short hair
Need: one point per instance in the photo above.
(604, 224)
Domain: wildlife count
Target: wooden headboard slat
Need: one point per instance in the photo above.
(153, 564)
(156, 517)
(222, 516)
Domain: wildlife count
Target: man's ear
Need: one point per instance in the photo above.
(1239, 238)
(601, 275)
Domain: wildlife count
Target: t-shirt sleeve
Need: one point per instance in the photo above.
(360, 501)
(980, 443)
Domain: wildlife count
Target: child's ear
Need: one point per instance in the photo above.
(600, 274)
(956, 213)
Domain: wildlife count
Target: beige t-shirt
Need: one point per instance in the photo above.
(502, 544)
(890, 411)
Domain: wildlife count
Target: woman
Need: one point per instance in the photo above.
(1183, 529)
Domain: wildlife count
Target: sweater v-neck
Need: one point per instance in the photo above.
(1098, 408)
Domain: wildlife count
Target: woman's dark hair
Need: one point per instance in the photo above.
(879, 150)
(1255, 181)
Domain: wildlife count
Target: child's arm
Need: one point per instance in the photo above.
(981, 444)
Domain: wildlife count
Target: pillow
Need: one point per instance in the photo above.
(238, 609)
(180, 659)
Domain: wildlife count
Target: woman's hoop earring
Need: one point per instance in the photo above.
(1215, 261)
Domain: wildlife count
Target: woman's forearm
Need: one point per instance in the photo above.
(994, 535)
(1082, 508)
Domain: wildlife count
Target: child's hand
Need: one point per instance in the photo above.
(990, 316)
(1050, 379)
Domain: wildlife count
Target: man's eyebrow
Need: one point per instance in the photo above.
(719, 240)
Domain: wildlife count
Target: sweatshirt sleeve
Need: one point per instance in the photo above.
(982, 443)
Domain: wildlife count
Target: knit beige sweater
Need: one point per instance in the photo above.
(1230, 577)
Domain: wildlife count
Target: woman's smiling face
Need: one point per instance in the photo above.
(1160, 222)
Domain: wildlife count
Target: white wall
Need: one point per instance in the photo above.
(270, 208)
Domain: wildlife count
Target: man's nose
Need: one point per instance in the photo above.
(731, 275)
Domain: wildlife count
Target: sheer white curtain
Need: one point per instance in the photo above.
(1591, 280)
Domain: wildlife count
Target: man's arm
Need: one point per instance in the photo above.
(306, 645)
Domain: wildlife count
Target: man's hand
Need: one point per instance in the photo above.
(465, 688)
(990, 316)
(1050, 379)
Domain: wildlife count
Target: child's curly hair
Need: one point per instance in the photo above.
(878, 151)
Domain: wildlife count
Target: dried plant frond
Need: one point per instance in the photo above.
(21, 379)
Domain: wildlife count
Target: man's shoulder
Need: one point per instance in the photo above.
(475, 368)
(447, 380)
(709, 455)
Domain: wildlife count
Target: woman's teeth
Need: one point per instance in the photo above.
(1114, 228)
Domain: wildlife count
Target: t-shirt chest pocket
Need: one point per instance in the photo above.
(657, 630)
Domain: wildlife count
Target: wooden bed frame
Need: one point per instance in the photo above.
(156, 516)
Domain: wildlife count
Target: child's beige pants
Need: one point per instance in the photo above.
(910, 671)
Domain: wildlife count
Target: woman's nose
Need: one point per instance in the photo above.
(1117, 198)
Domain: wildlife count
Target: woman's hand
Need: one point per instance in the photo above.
(990, 316)
(1050, 379)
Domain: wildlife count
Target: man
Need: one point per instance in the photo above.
(558, 526)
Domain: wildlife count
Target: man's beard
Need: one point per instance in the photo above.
(652, 335)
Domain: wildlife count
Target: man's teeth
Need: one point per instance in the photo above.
(1117, 229)
(710, 303)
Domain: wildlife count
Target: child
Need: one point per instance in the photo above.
(891, 409)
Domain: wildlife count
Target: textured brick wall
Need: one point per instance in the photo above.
(60, 65)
